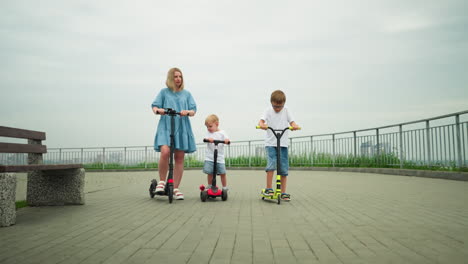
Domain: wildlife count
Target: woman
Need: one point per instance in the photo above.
(175, 97)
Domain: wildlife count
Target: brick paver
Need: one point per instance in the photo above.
(334, 217)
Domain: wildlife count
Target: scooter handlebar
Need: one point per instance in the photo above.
(216, 141)
(290, 128)
(168, 111)
(171, 112)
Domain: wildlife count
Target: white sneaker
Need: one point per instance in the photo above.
(225, 188)
(178, 195)
(160, 187)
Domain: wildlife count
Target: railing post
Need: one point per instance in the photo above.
(311, 151)
(333, 149)
(459, 160)
(378, 147)
(146, 157)
(60, 156)
(82, 160)
(103, 157)
(401, 146)
(125, 158)
(355, 143)
(229, 155)
(250, 156)
(290, 149)
(428, 144)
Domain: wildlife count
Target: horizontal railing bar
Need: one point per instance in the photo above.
(389, 126)
(316, 135)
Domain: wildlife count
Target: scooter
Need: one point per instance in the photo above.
(214, 191)
(277, 195)
(169, 187)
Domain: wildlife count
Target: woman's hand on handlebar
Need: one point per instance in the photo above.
(187, 113)
(158, 111)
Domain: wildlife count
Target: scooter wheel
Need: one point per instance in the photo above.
(224, 195)
(152, 188)
(279, 199)
(170, 193)
(263, 198)
(203, 196)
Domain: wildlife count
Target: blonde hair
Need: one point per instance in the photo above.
(170, 79)
(212, 119)
(278, 97)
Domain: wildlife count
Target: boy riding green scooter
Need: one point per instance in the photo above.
(277, 120)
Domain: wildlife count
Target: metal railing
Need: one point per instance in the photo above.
(438, 142)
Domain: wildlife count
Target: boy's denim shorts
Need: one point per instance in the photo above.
(271, 160)
(208, 167)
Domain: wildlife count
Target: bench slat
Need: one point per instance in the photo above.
(25, 168)
(21, 133)
(22, 148)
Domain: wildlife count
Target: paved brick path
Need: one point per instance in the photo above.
(333, 218)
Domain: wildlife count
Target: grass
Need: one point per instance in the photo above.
(21, 204)
(385, 160)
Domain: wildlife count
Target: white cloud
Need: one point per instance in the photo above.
(407, 23)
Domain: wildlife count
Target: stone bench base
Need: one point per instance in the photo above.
(56, 187)
(7, 199)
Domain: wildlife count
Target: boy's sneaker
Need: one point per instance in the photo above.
(160, 187)
(285, 197)
(269, 192)
(225, 188)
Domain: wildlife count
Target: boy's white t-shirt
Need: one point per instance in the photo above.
(209, 154)
(279, 120)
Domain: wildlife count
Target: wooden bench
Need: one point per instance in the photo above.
(58, 184)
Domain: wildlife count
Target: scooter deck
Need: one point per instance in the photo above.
(212, 193)
(275, 195)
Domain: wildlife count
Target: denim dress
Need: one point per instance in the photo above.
(183, 135)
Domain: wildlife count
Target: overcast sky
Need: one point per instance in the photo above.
(86, 72)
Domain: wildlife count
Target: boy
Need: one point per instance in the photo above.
(277, 117)
(214, 133)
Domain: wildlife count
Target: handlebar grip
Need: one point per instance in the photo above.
(170, 112)
(258, 127)
(165, 110)
(216, 141)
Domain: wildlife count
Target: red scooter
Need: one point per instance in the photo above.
(214, 191)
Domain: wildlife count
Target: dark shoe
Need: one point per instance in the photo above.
(285, 197)
(269, 192)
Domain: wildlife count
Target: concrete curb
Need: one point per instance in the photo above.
(448, 175)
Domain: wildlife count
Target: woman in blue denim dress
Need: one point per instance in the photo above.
(175, 97)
